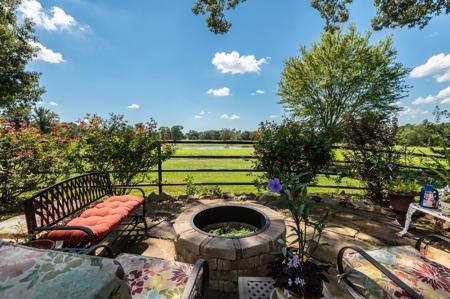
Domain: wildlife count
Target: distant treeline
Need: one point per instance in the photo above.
(176, 133)
(424, 134)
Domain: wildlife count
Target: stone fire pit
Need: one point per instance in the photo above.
(230, 257)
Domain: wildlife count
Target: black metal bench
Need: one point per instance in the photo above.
(46, 209)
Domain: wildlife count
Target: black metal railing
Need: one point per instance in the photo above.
(331, 171)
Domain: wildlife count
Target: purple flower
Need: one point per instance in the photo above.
(289, 282)
(275, 185)
(390, 166)
(299, 281)
(295, 261)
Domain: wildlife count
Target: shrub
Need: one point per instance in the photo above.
(191, 188)
(374, 161)
(29, 160)
(113, 145)
(286, 149)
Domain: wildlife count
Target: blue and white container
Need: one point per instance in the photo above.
(429, 197)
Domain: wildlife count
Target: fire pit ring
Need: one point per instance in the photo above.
(222, 214)
(230, 257)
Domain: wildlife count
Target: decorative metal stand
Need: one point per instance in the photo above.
(416, 207)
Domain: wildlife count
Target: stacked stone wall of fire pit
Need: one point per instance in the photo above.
(230, 257)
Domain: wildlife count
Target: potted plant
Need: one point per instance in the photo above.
(297, 274)
(401, 194)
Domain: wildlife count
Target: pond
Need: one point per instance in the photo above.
(213, 147)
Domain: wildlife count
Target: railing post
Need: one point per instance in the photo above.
(160, 186)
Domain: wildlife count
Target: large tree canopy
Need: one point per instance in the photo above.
(390, 14)
(18, 86)
(342, 74)
(411, 13)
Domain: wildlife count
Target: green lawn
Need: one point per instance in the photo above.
(231, 163)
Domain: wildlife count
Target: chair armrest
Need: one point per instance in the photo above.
(123, 187)
(199, 276)
(389, 274)
(91, 250)
(84, 229)
(431, 236)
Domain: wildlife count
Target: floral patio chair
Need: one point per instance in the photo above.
(393, 272)
(35, 273)
(30, 273)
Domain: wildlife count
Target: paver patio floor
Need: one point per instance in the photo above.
(355, 227)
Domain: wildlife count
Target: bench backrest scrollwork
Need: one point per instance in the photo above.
(53, 204)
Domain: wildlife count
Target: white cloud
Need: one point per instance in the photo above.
(434, 34)
(201, 114)
(219, 92)
(413, 113)
(54, 104)
(230, 117)
(46, 54)
(444, 93)
(234, 63)
(274, 116)
(133, 106)
(425, 100)
(443, 96)
(398, 104)
(437, 66)
(259, 91)
(55, 19)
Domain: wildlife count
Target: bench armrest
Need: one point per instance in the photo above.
(84, 229)
(198, 282)
(389, 274)
(123, 187)
(433, 237)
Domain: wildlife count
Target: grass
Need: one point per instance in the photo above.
(238, 163)
(231, 231)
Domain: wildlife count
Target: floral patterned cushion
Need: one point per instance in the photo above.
(425, 277)
(33, 273)
(153, 277)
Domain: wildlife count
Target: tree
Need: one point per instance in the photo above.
(342, 74)
(193, 135)
(332, 11)
(45, 119)
(216, 18)
(247, 135)
(19, 114)
(390, 14)
(165, 133)
(30, 160)
(113, 145)
(288, 149)
(411, 13)
(374, 160)
(176, 132)
(19, 87)
(226, 134)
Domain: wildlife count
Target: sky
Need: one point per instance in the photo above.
(156, 59)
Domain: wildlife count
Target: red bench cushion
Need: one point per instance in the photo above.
(101, 219)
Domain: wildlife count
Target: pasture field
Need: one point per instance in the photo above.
(180, 163)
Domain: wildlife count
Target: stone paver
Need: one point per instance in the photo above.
(12, 228)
